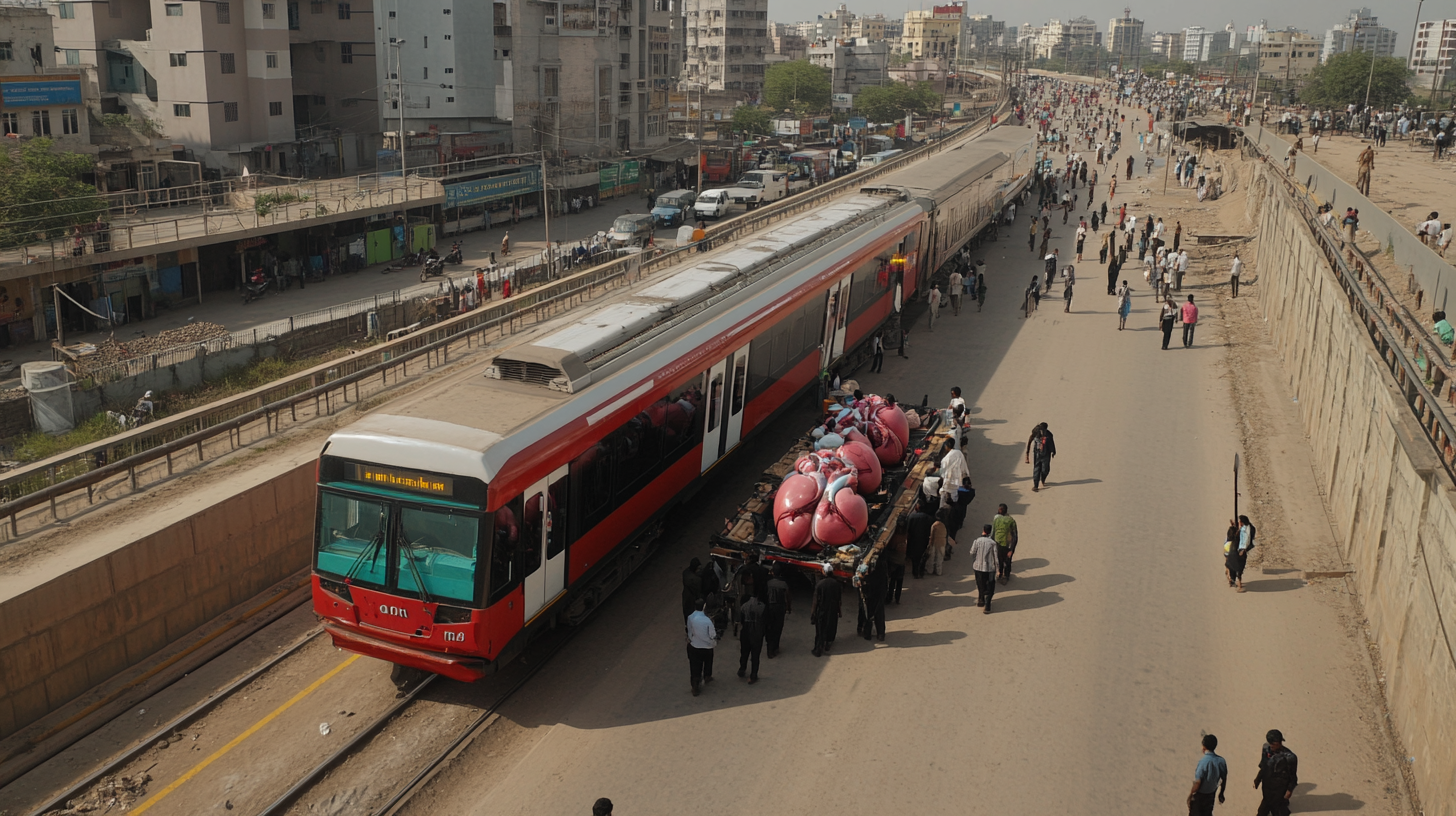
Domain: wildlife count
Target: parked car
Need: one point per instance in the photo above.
(760, 187)
(631, 230)
(715, 204)
(672, 208)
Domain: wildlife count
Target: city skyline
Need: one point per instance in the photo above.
(1315, 16)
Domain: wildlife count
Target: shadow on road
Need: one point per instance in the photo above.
(1323, 802)
(1274, 585)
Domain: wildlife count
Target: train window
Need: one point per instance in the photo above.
(759, 371)
(680, 431)
(715, 402)
(780, 354)
(505, 544)
(352, 539)
(593, 471)
(437, 550)
(556, 534)
(796, 336)
(636, 448)
(740, 381)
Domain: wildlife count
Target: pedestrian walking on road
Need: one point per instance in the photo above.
(1003, 529)
(896, 552)
(917, 530)
(506, 245)
(1124, 305)
(934, 304)
(824, 613)
(1129, 168)
(1278, 773)
(702, 637)
(1177, 234)
(1169, 315)
(1041, 446)
(877, 345)
(751, 614)
(1180, 270)
(980, 290)
(1234, 556)
(1238, 267)
(956, 283)
(984, 563)
(1069, 279)
(602, 807)
(939, 532)
(873, 586)
(1210, 778)
(1190, 322)
(779, 605)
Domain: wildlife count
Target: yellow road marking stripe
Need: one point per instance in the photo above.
(253, 729)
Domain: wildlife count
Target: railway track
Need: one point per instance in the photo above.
(293, 800)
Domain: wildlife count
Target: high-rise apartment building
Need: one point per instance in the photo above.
(1361, 31)
(1431, 58)
(1289, 56)
(1058, 37)
(725, 45)
(1124, 35)
(853, 65)
(1194, 44)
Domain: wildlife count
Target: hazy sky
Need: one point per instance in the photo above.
(1314, 16)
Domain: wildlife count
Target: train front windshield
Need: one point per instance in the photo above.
(392, 541)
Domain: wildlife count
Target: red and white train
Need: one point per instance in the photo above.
(486, 506)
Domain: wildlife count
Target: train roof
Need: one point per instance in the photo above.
(976, 157)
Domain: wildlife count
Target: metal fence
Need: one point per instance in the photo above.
(214, 430)
(1416, 360)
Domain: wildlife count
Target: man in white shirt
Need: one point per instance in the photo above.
(985, 562)
(1182, 269)
(1429, 229)
(955, 292)
(702, 637)
(1234, 274)
(953, 468)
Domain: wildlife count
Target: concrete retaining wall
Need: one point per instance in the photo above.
(87, 625)
(1392, 502)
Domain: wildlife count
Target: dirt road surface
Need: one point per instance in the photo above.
(1114, 649)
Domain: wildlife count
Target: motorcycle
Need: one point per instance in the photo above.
(256, 287)
(434, 267)
(455, 256)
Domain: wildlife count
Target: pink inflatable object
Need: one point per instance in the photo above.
(866, 464)
(890, 449)
(794, 506)
(894, 419)
(841, 521)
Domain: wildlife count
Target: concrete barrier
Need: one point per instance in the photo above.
(1392, 502)
(113, 611)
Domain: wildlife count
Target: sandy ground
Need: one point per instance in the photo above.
(1116, 647)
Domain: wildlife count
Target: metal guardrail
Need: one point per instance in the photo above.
(1397, 344)
(50, 480)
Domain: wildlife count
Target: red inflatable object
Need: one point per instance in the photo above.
(890, 449)
(866, 463)
(794, 505)
(843, 520)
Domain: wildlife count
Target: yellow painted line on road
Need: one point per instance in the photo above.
(253, 729)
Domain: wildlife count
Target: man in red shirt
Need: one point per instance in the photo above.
(1190, 321)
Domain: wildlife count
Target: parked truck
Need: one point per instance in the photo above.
(758, 187)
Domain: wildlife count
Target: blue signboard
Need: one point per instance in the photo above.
(41, 92)
(858, 123)
(464, 193)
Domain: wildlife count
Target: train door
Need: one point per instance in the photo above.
(836, 316)
(733, 407)
(715, 388)
(545, 550)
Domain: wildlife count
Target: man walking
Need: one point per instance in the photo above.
(750, 636)
(917, 529)
(1182, 270)
(985, 562)
(1210, 776)
(1190, 322)
(1278, 773)
(1238, 267)
(1040, 448)
(934, 305)
(956, 283)
(1003, 529)
(774, 611)
(1169, 314)
(702, 637)
(877, 346)
(825, 611)
(873, 587)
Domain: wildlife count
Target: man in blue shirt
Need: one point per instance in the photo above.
(702, 637)
(1209, 777)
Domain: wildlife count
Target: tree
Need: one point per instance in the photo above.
(797, 86)
(1182, 67)
(888, 103)
(41, 192)
(1342, 80)
(752, 120)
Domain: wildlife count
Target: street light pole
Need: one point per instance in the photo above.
(399, 98)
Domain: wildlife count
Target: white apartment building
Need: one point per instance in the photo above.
(1361, 31)
(1124, 35)
(1195, 43)
(38, 98)
(1434, 47)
